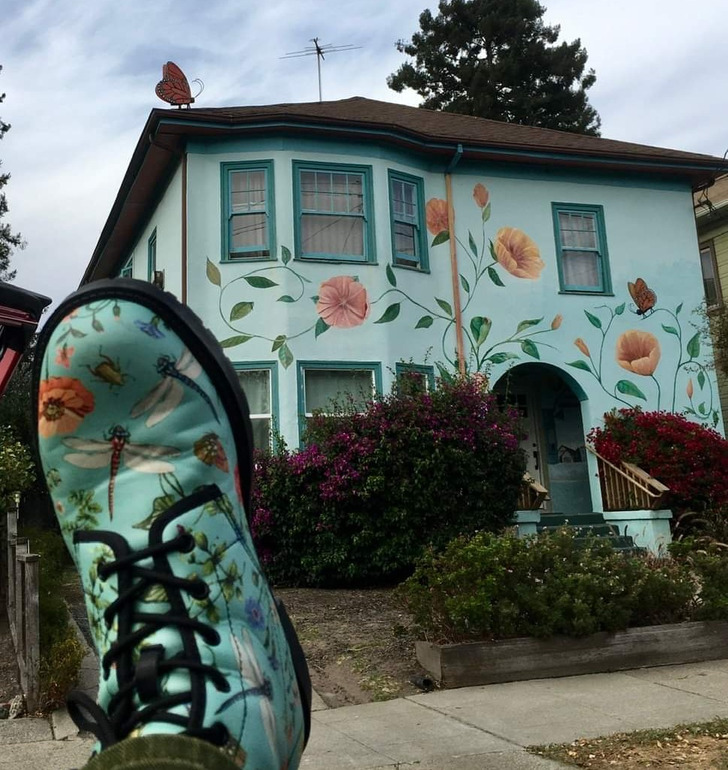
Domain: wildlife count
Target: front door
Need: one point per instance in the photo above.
(531, 442)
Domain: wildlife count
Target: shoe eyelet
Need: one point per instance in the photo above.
(103, 570)
(199, 590)
(223, 734)
(213, 637)
(187, 543)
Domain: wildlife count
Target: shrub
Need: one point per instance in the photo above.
(17, 471)
(495, 587)
(360, 503)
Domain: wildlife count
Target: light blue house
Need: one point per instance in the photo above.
(332, 246)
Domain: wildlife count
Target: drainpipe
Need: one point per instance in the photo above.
(459, 342)
(183, 292)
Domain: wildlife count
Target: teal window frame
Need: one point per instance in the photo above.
(421, 256)
(367, 216)
(152, 255)
(602, 252)
(428, 372)
(127, 269)
(375, 367)
(714, 296)
(248, 253)
(272, 368)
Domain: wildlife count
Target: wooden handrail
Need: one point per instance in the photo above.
(628, 488)
(532, 494)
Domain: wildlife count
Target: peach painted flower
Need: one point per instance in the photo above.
(436, 215)
(481, 195)
(342, 302)
(62, 403)
(579, 342)
(638, 352)
(558, 318)
(689, 389)
(518, 253)
(63, 356)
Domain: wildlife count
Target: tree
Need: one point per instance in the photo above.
(497, 59)
(8, 239)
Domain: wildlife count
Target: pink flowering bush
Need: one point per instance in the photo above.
(371, 491)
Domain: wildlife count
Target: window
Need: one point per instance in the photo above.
(414, 378)
(152, 255)
(710, 274)
(259, 383)
(127, 271)
(325, 385)
(406, 207)
(247, 204)
(581, 248)
(333, 212)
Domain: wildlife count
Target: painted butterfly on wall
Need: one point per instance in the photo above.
(174, 88)
(644, 298)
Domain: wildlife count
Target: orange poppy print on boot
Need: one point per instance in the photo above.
(62, 403)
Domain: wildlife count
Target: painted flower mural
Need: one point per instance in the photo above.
(436, 216)
(342, 302)
(518, 253)
(638, 352)
(63, 402)
(481, 196)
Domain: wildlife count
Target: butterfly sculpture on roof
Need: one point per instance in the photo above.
(174, 88)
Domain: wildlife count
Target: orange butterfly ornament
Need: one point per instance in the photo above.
(644, 298)
(173, 87)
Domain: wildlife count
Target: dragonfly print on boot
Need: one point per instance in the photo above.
(151, 480)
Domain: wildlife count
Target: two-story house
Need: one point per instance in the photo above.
(333, 246)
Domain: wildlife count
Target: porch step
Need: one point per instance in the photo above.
(587, 525)
(571, 519)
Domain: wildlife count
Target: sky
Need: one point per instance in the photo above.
(79, 80)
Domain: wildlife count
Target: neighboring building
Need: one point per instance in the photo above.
(333, 246)
(711, 215)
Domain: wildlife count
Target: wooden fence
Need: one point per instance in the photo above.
(23, 610)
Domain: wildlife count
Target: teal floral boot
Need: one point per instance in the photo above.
(145, 442)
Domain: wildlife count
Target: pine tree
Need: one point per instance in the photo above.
(497, 59)
(8, 239)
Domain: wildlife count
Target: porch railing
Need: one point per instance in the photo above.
(531, 495)
(628, 488)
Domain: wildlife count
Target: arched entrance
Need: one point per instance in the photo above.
(550, 402)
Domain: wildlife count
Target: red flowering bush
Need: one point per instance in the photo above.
(688, 458)
(372, 490)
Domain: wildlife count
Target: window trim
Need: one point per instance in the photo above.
(710, 246)
(374, 366)
(226, 168)
(272, 368)
(151, 255)
(421, 240)
(603, 252)
(401, 368)
(127, 269)
(366, 171)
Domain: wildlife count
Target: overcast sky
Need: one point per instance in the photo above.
(79, 79)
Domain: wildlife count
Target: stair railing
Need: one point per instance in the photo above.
(628, 488)
(531, 495)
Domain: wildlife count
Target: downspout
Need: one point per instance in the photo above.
(459, 342)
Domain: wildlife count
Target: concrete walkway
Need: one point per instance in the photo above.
(473, 728)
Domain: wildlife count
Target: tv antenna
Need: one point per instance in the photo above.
(318, 51)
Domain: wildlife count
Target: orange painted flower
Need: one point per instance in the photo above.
(62, 403)
(518, 253)
(63, 355)
(579, 342)
(689, 389)
(558, 318)
(638, 352)
(436, 215)
(342, 302)
(481, 195)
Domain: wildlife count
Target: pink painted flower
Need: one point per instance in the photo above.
(518, 253)
(638, 352)
(63, 355)
(436, 215)
(342, 302)
(481, 195)
(689, 389)
(556, 323)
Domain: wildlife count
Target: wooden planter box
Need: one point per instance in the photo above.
(510, 660)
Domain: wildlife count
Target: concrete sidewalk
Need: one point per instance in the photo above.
(473, 728)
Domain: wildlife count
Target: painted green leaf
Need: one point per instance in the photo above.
(278, 342)
(486, 212)
(701, 379)
(628, 388)
(445, 375)
(465, 283)
(670, 330)
(286, 298)
(240, 310)
(260, 281)
(440, 238)
(389, 314)
(285, 356)
(444, 305)
(527, 323)
(321, 327)
(238, 339)
(593, 320)
(213, 274)
(159, 506)
(391, 277)
(473, 245)
(678, 309)
(491, 249)
(285, 255)
(424, 323)
(693, 347)
(580, 365)
(715, 418)
(77, 333)
(702, 408)
(499, 358)
(97, 325)
(315, 298)
(530, 349)
(480, 327)
(493, 275)
(620, 309)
